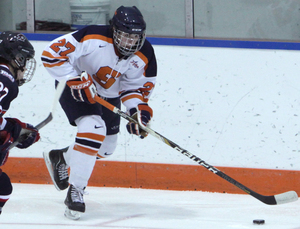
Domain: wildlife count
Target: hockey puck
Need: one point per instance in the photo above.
(259, 221)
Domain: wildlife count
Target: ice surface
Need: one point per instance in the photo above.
(41, 206)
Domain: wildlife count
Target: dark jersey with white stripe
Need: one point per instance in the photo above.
(8, 89)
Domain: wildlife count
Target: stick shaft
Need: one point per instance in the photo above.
(59, 90)
(271, 200)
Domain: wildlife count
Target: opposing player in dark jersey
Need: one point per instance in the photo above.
(114, 61)
(17, 66)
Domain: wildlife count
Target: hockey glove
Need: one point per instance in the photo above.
(5, 142)
(14, 128)
(3, 157)
(143, 114)
(83, 88)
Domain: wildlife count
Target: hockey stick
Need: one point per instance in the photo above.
(59, 89)
(282, 198)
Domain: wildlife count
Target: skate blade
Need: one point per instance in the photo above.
(50, 169)
(70, 214)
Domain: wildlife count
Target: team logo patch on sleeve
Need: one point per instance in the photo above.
(134, 64)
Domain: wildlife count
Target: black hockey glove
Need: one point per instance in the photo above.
(5, 142)
(7, 137)
(14, 127)
(143, 114)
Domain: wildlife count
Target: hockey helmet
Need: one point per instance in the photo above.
(129, 30)
(18, 51)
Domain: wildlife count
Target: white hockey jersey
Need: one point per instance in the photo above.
(91, 49)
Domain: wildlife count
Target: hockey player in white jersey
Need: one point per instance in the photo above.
(114, 61)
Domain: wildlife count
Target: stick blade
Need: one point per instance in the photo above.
(286, 197)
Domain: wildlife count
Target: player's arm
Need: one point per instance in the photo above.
(59, 55)
(136, 100)
(11, 129)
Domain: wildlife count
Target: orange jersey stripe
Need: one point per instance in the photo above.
(131, 96)
(60, 60)
(53, 65)
(48, 54)
(85, 150)
(92, 136)
(98, 37)
(143, 57)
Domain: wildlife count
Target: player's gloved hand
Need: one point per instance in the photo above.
(7, 137)
(24, 133)
(143, 114)
(11, 133)
(5, 142)
(82, 88)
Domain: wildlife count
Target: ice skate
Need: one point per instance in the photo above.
(75, 203)
(57, 168)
